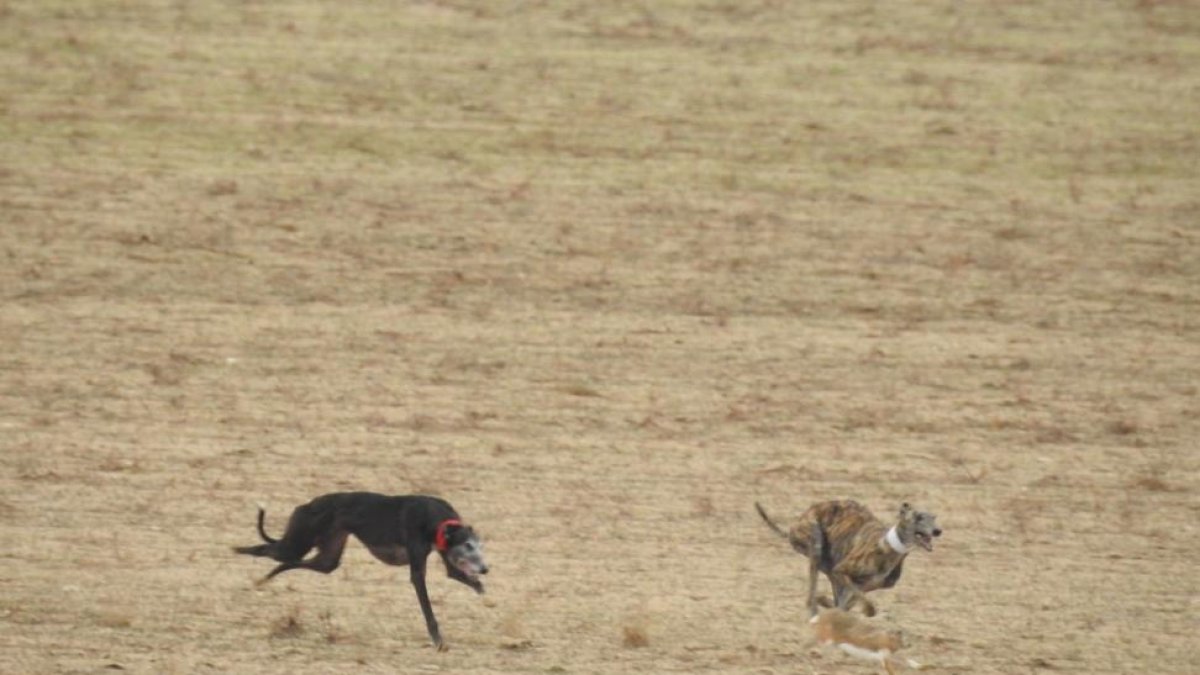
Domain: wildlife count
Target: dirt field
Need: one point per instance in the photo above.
(602, 274)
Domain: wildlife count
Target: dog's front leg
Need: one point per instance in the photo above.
(847, 593)
(843, 598)
(417, 574)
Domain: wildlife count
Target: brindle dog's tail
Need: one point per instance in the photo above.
(770, 523)
(266, 549)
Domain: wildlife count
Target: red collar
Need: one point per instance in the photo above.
(439, 539)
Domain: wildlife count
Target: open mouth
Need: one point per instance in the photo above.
(470, 571)
(924, 541)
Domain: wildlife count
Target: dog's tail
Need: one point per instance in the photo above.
(770, 523)
(259, 550)
(262, 514)
(267, 549)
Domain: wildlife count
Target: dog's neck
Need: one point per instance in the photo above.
(439, 538)
(892, 539)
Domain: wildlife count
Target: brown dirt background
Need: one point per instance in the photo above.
(602, 274)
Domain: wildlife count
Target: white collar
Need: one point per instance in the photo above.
(893, 540)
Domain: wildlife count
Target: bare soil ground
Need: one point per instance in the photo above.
(603, 274)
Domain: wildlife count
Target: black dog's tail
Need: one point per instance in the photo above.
(266, 549)
(770, 523)
(262, 513)
(260, 550)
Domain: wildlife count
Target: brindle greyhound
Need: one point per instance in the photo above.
(398, 530)
(856, 550)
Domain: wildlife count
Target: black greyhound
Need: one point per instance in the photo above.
(399, 530)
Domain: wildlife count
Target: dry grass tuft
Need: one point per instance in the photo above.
(1021, 511)
(512, 625)
(970, 476)
(1054, 435)
(289, 626)
(1013, 234)
(222, 188)
(1152, 478)
(635, 636)
(1151, 484)
(512, 632)
(581, 390)
(114, 620)
(329, 631)
(114, 464)
(1122, 427)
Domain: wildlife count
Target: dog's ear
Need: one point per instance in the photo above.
(905, 511)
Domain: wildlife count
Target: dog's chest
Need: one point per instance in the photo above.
(873, 581)
(872, 571)
(880, 578)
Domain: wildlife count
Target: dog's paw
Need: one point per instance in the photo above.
(478, 588)
(443, 647)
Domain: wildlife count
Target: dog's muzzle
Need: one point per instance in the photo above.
(925, 541)
(472, 569)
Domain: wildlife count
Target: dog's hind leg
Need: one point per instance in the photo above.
(296, 542)
(816, 551)
(327, 559)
